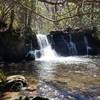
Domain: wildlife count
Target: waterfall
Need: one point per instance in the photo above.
(87, 45)
(46, 53)
(71, 46)
(46, 50)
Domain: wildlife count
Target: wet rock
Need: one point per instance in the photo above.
(74, 42)
(30, 56)
(14, 45)
(58, 40)
(40, 98)
(15, 83)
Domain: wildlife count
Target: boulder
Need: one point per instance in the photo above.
(15, 83)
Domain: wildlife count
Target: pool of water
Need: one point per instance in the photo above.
(72, 78)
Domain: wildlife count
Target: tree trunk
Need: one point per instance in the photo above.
(30, 14)
(11, 19)
(54, 17)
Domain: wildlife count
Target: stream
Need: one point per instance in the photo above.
(76, 78)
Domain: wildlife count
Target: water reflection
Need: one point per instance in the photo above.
(45, 70)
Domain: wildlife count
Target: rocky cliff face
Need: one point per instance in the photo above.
(14, 46)
(74, 42)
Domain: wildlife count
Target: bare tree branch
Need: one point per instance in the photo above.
(54, 2)
(82, 14)
(33, 11)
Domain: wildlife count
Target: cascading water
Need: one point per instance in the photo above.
(46, 50)
(71, 46)
(48, 54)
(87, 45)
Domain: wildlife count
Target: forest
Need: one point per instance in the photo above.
(47, 15)
(49, 49)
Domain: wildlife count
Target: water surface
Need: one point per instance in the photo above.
(62, 79)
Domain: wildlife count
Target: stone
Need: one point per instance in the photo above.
(40, 98)
(15, 83)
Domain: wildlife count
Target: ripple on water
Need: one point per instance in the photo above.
(49, 90)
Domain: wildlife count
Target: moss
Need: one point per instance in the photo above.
(2, 76)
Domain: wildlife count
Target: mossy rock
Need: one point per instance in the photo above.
(14, 83)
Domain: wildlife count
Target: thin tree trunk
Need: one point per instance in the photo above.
(11, 19)
(54, 17)
(79, 14)
(92, 14)
(30, 14)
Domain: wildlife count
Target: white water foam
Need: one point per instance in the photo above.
(46, 51)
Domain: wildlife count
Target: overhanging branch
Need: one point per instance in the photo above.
(82, 14)
(33, 11)
(54, 2)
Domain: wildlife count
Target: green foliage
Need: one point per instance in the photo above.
(44, 17)
(2, 76)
